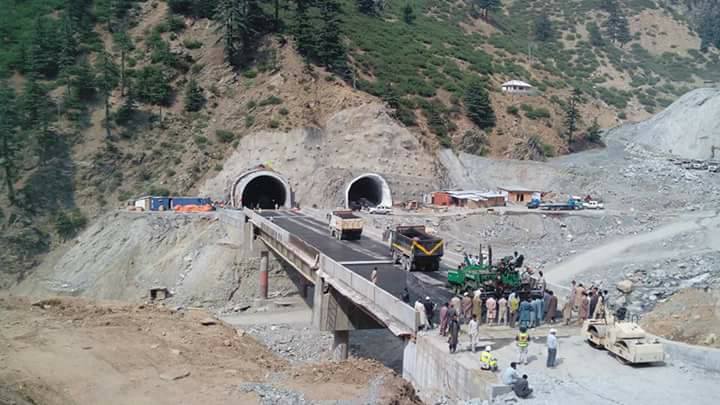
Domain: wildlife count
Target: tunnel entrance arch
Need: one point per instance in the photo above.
(369, 189)
(261, 189)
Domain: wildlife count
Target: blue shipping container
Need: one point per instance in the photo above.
(182, 201)
(159, 203)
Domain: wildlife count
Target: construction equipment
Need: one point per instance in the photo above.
(344, 224)
(500, 278)
(415, 249)
(625, 339)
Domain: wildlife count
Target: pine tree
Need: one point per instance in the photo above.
(593, 133)
(596, 38)
(617, 28)
(107, 80)
(408, 14)
(194, 97)
(478, 105)
(391, 96)
(331, 51)
(123, 44)
(67, 44)
(304, 34)
(42, 57)
(243, 22)
(152, 86)
(367, 7)
(34, 105)
(486, 6)
(543, 29)
(125, 113)
(572, 115)
(9, 140)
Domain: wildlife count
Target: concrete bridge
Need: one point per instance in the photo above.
(336, 274)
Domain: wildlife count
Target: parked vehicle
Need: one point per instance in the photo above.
(593, 205)
(698, 165)
(415, 249)
(571, 204)
(534, 203)
(713, 167)
(380, 210)
(343, 224)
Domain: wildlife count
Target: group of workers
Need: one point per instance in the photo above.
(588, 303)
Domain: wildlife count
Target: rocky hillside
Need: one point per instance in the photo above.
(689, 128)
(119, 98)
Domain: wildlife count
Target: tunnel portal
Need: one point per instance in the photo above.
(261, 188)
(264, 192)
(368, 190)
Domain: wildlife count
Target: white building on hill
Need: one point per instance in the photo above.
(517, 87)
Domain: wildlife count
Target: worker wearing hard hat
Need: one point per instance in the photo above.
(487, 360)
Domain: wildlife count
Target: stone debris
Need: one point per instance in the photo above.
(174, 375)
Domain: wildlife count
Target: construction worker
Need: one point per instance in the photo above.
(454, 331)
(466, 305)
(523, 341)
(521, 387)
(473, 332)
(477, 305)
(510, 376)
(552, 346)
(514, 303)
(429, 311)
(444, 318)
(487, 360)
(525, 313)
(502, 311)
(491, 305)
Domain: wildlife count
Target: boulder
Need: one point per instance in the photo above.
(625, 286)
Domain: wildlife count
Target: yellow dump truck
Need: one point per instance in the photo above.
(344, 225)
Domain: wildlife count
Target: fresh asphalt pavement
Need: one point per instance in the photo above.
(391, 278)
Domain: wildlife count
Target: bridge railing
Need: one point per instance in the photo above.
(397, 309)
(268, 227)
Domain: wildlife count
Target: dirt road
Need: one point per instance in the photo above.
(616, 251)
(71, 351)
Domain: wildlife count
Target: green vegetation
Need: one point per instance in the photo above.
(194, 97)
(572, 115)
(68, 223)
(224, 136)
(271, 100)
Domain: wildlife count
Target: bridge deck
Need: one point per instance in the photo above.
(391, 278)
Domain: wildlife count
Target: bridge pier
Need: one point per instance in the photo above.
(264, 274)
(341, 341)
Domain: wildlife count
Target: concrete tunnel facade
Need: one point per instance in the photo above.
(371, 187)
(262, 188)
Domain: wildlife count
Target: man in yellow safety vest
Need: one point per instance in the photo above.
(487, 360)
(523, 340)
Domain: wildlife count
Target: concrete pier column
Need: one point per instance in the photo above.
(264, 274)
(341, 340)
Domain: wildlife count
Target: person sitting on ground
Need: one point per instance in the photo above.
(521, 388)
(487, 360)
(510, 375)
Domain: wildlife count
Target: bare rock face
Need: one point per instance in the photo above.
(319, 163)
(688, 128)
(625, 286)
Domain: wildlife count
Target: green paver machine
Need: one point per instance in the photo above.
(500, 278)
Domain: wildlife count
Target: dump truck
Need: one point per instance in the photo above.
(625, 339)
(345, 225)
(416, 249)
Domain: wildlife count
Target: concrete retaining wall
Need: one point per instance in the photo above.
(432, 370)
(703, 357)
